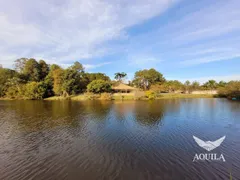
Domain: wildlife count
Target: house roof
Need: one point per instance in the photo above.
(122, 86)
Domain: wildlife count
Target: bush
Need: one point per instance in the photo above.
(232, 89)
(99, 86)
(35, 90)
(150, 94)
(15, 92)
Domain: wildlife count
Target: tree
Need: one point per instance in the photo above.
(145, 78)
(99, 86)
(211, 84)
(44, 69)
(54, 67)
(173, 85)
(32, 70)
(95, 76)
(187, 86)
(231, 90)
(71, 82)
(5, 75)
(57, 81)
(222, 84)
(20, 64)
(77, 66)
(195, 85)
(14, 88)
(35, 90)
(1, 66)
(119, 76)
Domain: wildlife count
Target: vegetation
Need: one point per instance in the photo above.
(150, 94)
(177, 95)
(99, 86)
(230, 90)
(119, 76)
(32, 79)
(145, 78)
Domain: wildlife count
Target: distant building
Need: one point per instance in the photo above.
(123, 88)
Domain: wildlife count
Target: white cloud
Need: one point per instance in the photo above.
(93, 66)
(143, 61)
(69, 30)
(216, 57)
(202, 34)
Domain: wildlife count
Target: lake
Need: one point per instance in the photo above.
(93, 140)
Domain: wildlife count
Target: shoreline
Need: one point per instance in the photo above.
(83, 97)
(119, 98)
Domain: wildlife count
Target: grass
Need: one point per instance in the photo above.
(5, 99)
(123, 96)
(174, 95)
(127, 96)
(79, 97)
(54, 98)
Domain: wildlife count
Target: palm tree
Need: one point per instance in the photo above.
(119, 76)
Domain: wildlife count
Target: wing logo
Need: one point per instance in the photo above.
(209, 145)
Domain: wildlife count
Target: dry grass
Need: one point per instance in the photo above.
(174, 95)
(80, 97)
(126, 96)
(54, 98)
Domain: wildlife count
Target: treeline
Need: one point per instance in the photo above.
(155, 83)
(32, 79)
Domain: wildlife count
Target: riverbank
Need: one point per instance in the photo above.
(129, 96)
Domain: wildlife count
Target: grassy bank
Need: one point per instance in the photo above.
(55, 98)
(5, 99)
(174, 95)
(124, 96)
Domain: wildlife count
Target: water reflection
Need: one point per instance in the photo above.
(116, 140)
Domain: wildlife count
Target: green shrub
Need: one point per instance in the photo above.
(99, 86)
(232, 89)
(150, 94)
(35, 90)
(15, 92)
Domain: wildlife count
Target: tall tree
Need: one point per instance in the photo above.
(44, 69)
(77, 66)
(187, 86)
(195, 85)
(119, 76)
(20, 64)
(211, 84)
(5, 75)
(95, 76)
(71, 82)
(32, 70)
(57, 81)
(145, 78)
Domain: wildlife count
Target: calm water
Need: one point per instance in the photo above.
(96, 140)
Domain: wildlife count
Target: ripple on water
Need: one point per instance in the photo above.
(124, 140)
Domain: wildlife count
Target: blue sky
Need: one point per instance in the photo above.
(183, 39)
